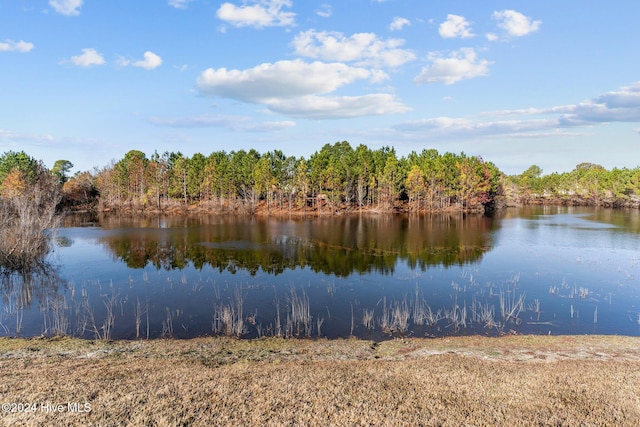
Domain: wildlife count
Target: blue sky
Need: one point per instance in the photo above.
(516, 82)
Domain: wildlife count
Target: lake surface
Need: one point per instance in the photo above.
(540, 270)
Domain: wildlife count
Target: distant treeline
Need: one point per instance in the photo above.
(588, 184)
(337, 178)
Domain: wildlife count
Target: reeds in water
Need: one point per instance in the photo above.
(319, 322)
(431, 317)
(457, 316)
(484, 314)
(228, 318)
(511, 305)
(59, 310)
(401, 316)
(167, 325)
(419, 308)
(535, 307)
(138, 311)
(110, 302)
(367, 319)
(299, 314)
(395, 318)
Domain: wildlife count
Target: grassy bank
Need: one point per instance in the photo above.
(513, 380)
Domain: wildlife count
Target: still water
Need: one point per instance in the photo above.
(552, 270)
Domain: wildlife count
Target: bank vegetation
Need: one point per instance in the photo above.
(334, 180)
(29, 196)
(338, 179)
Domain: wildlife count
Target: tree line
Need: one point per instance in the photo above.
(335, 178)
(588, 184)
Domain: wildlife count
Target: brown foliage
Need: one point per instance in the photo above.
(27, 217)
(13, 185)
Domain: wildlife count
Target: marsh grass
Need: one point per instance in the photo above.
(59, 310)
(484, 314)
(94, 309)
(110, 302)
(319, 323)
(298, 322)
(167, 324)
(511, 305)
(401, 316)
(367, 319)
(228, 318)
(140, 310)
(432, 318)
(395, 317)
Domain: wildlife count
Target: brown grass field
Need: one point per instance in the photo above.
(462, 381)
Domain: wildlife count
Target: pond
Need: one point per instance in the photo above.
(539, 270)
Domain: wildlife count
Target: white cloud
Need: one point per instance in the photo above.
(455, 27)
(150, 61)
(461, 64)
(88, 58)
(17, 137)
(492, 37)
(13, 46)
(399, 23)
(325, 10)
(236, 123)
(179, 4)
(283, 79)
(561, 109)
(465, 127)
(262, 13)
(622, 105)
(339, 107)
(295, 88)
(361, 48)
(66, 7)
(515, 23)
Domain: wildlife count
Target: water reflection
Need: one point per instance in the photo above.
(533, 270)
(338, 246)
(21, 289)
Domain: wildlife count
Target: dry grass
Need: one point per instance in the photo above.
(514, 380)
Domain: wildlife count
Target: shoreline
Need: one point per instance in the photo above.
(510, 380)
(261, 211)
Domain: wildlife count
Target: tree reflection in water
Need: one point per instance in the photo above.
(339, 246)
(262, 247)
(369, 276)
(21, 289)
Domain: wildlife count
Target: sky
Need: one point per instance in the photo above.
(515, 82)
